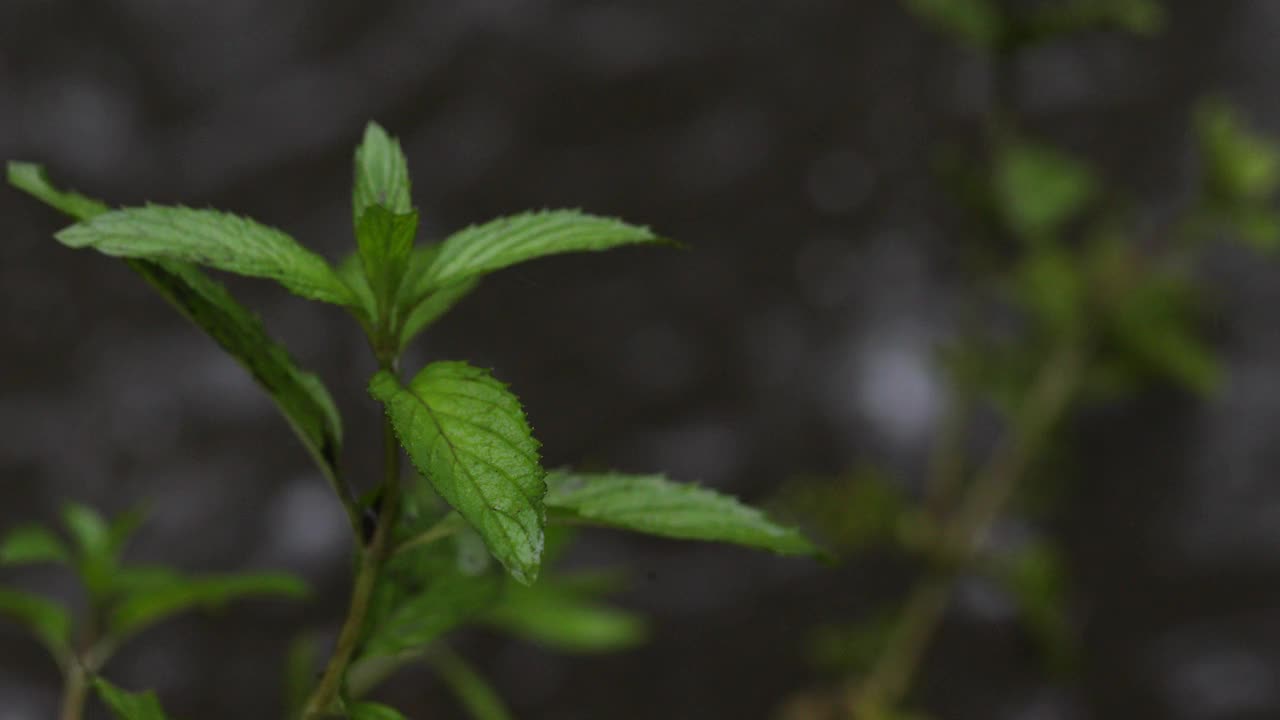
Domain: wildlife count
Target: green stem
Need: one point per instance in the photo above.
(1047, 401)
(947, 464)
(75, 688)
(372, 559)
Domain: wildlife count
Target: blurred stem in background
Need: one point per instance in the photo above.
(1069, 303)
(1047, 402)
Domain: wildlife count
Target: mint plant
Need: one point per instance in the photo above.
(1070, 302)
(122, 600)
(423, 545)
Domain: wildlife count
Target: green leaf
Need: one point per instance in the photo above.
(32, 544)
(1240, 164)
(852, 512)
(32, 179)
(1140, 17)
(562, 614)
(481, 701)
(96, 548)
(300, 396)
(127, 705)
(851, 647)
(1154, 325)
(351, 270)
(385, 240)
(654, 505)
(208, 237)
(157, 594)
(301, 668)
(1040, 189)
(420, 595)
(433, 307)
(1241, 175)
(49, 621)
(420, 599)
(382, 174)
(419, 307)
(1050, 285)
(92, 534)
(1036, 578)
(467, 434)
(977, 23)
(374, 711)
(500, 243)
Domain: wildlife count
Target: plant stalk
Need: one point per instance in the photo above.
(372, 558)
(75, 688)
(1048, 400)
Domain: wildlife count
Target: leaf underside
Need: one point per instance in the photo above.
(481, 249)
(209, 237)
(300, 396)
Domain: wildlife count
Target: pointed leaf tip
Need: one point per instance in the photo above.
(381, 174)
(655, 505)
(506, 241)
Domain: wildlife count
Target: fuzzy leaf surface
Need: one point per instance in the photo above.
(208, 237)
(467, 434)
(385, 240)
(654, 505)
(481, 249)
(382, 174)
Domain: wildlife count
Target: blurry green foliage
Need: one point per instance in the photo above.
(1037, 580)
(852, 512)
(123, 599)
(1241, 173)
(850, 647)
(126, 705)
(565, 614)
(1070, 298)
(978, 23)
(994, 26)
(1060, 18)
(1039, 189)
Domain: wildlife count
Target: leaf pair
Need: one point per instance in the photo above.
(467, 433)
(126, 599)
(402, 290)
(94, 555)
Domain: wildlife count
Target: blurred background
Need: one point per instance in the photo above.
(793, 147)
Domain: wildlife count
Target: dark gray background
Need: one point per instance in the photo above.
(790, 145)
